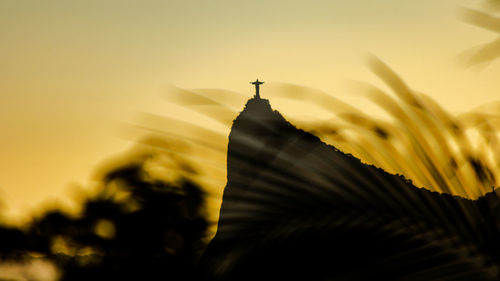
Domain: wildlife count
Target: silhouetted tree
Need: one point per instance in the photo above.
(136, 228)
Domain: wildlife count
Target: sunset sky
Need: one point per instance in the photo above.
(74, 72)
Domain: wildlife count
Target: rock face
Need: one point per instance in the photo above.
(295, 208)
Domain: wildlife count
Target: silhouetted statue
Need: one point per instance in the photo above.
(257, 84)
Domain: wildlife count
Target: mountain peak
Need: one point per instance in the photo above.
(259, 110)
(291, 200)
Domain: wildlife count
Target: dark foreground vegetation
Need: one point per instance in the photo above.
(134, 229)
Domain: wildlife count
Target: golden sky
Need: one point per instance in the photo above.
(73, 72)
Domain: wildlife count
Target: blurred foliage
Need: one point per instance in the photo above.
(136, 227)
(455, 154)
(152, 217)
(437, 150)
(487, 52)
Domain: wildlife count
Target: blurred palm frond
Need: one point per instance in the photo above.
(486, 52)
(455, 154)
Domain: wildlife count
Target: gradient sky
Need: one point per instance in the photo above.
(73, 72)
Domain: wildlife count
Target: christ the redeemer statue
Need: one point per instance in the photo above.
(257, 83)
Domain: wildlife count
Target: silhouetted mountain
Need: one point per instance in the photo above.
(295, 208)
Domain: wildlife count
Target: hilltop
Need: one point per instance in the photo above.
(295, 208)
